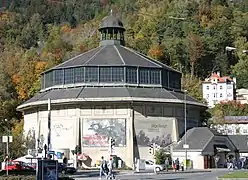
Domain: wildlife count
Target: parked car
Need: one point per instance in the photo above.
(64, 169)
(150, 165)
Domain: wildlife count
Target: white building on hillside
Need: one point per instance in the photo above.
(242, 96)
(216, 89)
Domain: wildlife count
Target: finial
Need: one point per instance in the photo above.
(111, 12)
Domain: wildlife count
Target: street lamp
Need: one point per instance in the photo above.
(7, 139)
(185, 146)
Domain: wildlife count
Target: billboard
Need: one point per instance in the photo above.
(153, 131)
(97, 132)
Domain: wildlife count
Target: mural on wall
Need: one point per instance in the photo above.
(97, 132)
(60, 129)
(153, 131)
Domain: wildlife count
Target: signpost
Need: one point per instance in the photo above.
(186, 147)
(152, 150)
(7, 140)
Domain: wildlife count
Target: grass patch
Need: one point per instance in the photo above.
(236, 175)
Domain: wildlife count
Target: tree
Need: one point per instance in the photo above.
(196, 48)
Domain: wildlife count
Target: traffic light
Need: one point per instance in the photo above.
(151, 149)
(78, 150)
(112, 142)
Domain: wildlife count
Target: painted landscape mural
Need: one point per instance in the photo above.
(153, 131)
(97, 132)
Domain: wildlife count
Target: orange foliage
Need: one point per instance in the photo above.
(40, 66)
(58, 54)
(65, 28)
(156, 51)
(16, 78)
(82, 48)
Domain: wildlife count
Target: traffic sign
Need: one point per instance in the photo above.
(185, 146)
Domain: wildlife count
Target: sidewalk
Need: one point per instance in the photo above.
(164, 172)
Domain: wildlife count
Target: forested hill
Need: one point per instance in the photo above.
(189, 35)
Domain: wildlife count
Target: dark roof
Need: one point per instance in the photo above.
(107, 92)
(197, 138)
(110, 55)
(110, 22)
(240, 141)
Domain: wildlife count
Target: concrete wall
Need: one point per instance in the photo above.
(66, 119)
(196, 158)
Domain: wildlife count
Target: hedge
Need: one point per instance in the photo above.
(27, 178)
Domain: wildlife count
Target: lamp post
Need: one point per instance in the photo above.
(185, 146)
(7, 139)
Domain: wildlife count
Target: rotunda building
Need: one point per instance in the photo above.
(111, 91)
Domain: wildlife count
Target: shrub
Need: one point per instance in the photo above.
(30, 177)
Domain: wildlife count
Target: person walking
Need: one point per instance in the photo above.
(103, 168)
(110, 169)
(177, 164)
(166, 163)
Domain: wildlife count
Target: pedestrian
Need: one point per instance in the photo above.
(103, 168)
(166, 163)
(110, 169)
(177, 164)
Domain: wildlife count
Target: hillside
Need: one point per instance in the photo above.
(191, 36)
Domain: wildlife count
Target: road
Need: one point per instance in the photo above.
(150, 176)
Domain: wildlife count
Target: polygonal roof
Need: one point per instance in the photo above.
(105, 94)
(111, 22)
(112, 55)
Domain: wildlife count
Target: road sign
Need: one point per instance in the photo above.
(185, 146)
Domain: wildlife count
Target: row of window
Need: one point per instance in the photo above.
(221, 95)
(102, 74)
(215, 87)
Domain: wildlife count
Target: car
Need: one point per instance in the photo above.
(64, 169)
(150, 165)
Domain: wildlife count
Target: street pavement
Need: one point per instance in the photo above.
(193, 175)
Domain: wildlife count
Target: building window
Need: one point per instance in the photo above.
(144, 76)
(69, 76)
(245, 131)
(117, 74)
(155, 76)
(105, 74)
(207, 95)
(91, 74)
(131, 75)
(42, 82)
(214, 87)
(229, 94)
(79, 74)
(48, 79)
(220, 94)
(58, 77)
(207, 87)
(221, 87)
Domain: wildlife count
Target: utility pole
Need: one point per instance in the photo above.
(7, 140)
(185, 146)
(49, 126)
(152, 150)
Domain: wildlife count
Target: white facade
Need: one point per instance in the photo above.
(232, 129)
(242, 96)
(216, 89)
(196, 158)
(154, 119)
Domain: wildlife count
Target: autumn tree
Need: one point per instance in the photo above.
(196, 50)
